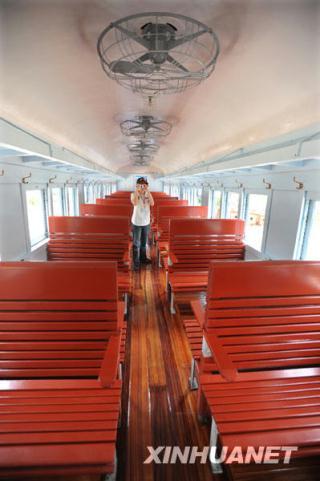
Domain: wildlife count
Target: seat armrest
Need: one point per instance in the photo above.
(126, 257)
(223, 361)
(121, 313)
(109, 367)
(173, 258)
(198, 311)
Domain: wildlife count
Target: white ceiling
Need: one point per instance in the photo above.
(266, 81)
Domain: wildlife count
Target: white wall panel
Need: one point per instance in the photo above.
(12, 223)
(283, 224)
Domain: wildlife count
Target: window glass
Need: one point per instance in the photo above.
(197, 196)
(232, 211)
(37, 219)
(71, 201)
(86, 193)
(57, 201)
(216, 204)
(311, 241)
(255, 218)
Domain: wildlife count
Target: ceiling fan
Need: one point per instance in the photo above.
(158, 52)
(143, 147)
(145, 126)
(141, 159)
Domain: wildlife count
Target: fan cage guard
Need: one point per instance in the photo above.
(143, 147)
(142, 158)
(135, 128)
(196, 51)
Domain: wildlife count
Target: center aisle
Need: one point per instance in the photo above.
(162, 409)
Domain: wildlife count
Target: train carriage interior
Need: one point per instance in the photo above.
(160, 240)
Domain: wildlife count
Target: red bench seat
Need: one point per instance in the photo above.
(166, 213)
(262, 326)
(193, 244)
(92, 238)
(60, 335)
(58, 427)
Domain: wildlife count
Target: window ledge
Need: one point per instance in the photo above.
(251, 251)
(39, 244)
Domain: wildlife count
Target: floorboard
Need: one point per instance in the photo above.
(158, 407)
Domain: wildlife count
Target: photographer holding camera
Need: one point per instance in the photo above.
(141, 200)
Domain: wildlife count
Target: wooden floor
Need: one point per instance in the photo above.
(158, 407)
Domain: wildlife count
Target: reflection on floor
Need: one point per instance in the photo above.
(162, 409)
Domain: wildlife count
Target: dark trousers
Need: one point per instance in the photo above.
(140, 238)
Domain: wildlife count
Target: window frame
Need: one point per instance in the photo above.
(50, 199)
(74, 187)
(246, 194)
(309, 200)
(44, 189)
(225, 206)
(211, 199)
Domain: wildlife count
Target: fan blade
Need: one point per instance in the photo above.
(143, 58)
(132, 35)
(125, 67)
(177, 64)
(156, 127)
(187, 38)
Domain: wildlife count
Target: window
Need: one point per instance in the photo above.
(96, 192)
(72, 201)
(56, 201)
(37, 216)
(232, 211)
(311, 238)
(86, 193)
(187, 194)
(256, 205)
(197, 196)
(216, 204)
(174, 190)
(89, 194)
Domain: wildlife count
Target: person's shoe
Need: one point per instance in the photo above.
(136, 268)
(146, 261)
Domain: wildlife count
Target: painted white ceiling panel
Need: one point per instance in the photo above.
(266, 80)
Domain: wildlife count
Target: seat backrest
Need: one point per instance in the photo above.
(174, 202)
(89, 237)
(181, 211)
(170, 201)
(88, 225)
(120, 193)
(114, 201)
(159, 194)
(196, 242)
(56, 318)
(106, 209)
(266, 314)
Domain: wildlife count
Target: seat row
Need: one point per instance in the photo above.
(259, 361)
(60, 388)
(62, 337)
(255, 341)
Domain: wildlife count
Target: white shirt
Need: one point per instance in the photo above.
(141, 212)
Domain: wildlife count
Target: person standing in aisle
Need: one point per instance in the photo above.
(142, 200)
